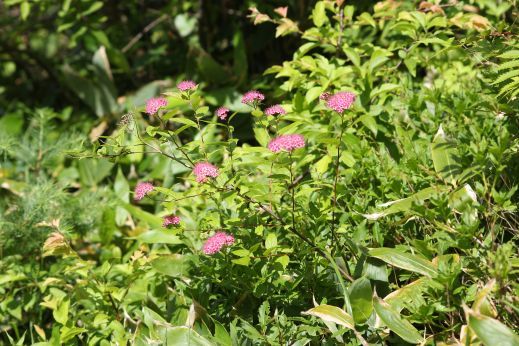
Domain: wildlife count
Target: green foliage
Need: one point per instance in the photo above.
(396, 222)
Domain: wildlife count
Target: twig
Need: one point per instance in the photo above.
(147, 28)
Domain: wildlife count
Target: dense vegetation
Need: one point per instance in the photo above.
(245, 173)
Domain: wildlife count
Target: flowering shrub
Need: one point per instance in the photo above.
(364, 207)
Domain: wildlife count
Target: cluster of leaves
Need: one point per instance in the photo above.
(103, 56)
(396, 223)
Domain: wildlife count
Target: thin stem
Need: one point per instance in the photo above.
(292, 191)
(334, 199)
(201, 136)
(156, 149)
(341, 28)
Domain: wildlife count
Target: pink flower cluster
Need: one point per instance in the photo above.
(286, 143)
(217, 242)
(205, 170)
(154, 104)
(222, 112)
(252, 97)
(186, 85)
(275, 110)
(170, 220)
(142, 189)
(340, 101)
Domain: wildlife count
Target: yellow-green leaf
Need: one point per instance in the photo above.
(331, 313)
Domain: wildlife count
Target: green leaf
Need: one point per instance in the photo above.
(370, 122)
(271, 241)
(404, 260)
(445, 157)
(360, 293)
(159, 237)
(492, 332)
(184, 121)
(152, 220)
(185, 336)
(405, 204)
(319, 14)
(331, 313)
(321, 166)
(25, 10)
(121, 186)
(313, 93)
(262, 136)
(61, 312)
(394, 321)
(172, 265)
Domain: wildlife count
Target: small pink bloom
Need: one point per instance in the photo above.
(186, 85)
(154, 104)
(340, 101)
(217, 242)
(141, 190)
(276, 109)
(170, 220)
(287, 143)
(222, 112)
(205, 170)
(252, 97)
(324, 96)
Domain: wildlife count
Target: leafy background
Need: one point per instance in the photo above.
(425, 240)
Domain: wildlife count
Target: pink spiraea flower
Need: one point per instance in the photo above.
(215, 243)
(275, 110)
(204, 170)
(186, 85)
(170, 220)
(222, 112)
(340, 101)
(154, 104)
(252, 97)
(142, 189)
(286, 143)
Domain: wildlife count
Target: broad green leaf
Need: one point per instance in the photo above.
(271, 241)
(152, 220)
(360, 293)
(331, 313)
(404, 260)
(492, 332)
(445, 157)
(172, 265)
(185, 336)
(313, 93)
(370, 122)
(184, 121)
(394, 321)
(405, 204)
(319, 14)
(409, 295)
(61, 312)
(321, 166)
(159, 237)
